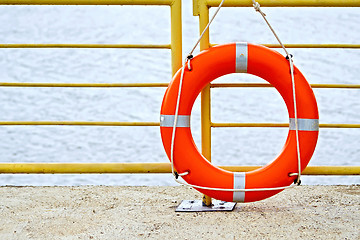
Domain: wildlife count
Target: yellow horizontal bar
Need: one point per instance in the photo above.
(254, 85)
(249, 124)
(310, 170)
(85, 168)
(314, 45)
(109, 85)
(86, 2)
(95, 85)
(246, 85)
(76, 123)
(161, 46)
(76, 168)
(334, 125)
(61, 45)
(324, 125)
(287, 3)
(83, 123)
(309, 45)
(332, 170)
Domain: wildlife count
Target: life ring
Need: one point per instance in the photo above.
(272, 67)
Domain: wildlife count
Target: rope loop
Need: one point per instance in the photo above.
(188, 61)
(189, 65)
(256, 5)
(289, 57)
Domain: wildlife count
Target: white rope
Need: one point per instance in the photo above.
(256, 5)
(175, 124)
(206, 28)
(233, 189)
(187, 60)
(298, 181)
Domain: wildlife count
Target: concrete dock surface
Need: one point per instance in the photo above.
(122, 212)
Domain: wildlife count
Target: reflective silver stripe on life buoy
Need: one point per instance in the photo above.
(241, 57)
(239, 183)
(168, 121)
(305, 124)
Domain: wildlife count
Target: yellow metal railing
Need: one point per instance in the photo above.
(175, 46)
(72, 168)
(60, 45)
(175, 23)
(176, 60)
(201, 9)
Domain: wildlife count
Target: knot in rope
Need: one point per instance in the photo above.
(289, 57)
(188, 59)
(256, 6)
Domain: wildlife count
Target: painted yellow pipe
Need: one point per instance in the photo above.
(286, 3)
(332, 170)
(213, 85)
(256, 85)
(87, 168)
(310, 170)
(307, 45)
(176, 36)
(156, 124)
(205, 97)
(323, 125)
(93, 85)
(86, 2)
(75, 168)
(313, 45)
(70, 45)
(77, 123)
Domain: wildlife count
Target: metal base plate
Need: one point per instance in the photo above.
(197, 206)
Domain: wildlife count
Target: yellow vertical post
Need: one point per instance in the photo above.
(176, 36)
(205, 94)
(195, 7)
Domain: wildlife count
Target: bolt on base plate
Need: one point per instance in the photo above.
(197, 206)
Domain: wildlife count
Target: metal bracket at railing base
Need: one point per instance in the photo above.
(197, 206)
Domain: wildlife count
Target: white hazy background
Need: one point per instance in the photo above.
(151, 25)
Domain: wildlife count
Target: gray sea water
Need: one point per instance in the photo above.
(125, 24)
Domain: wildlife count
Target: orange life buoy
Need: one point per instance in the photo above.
(262, 62)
